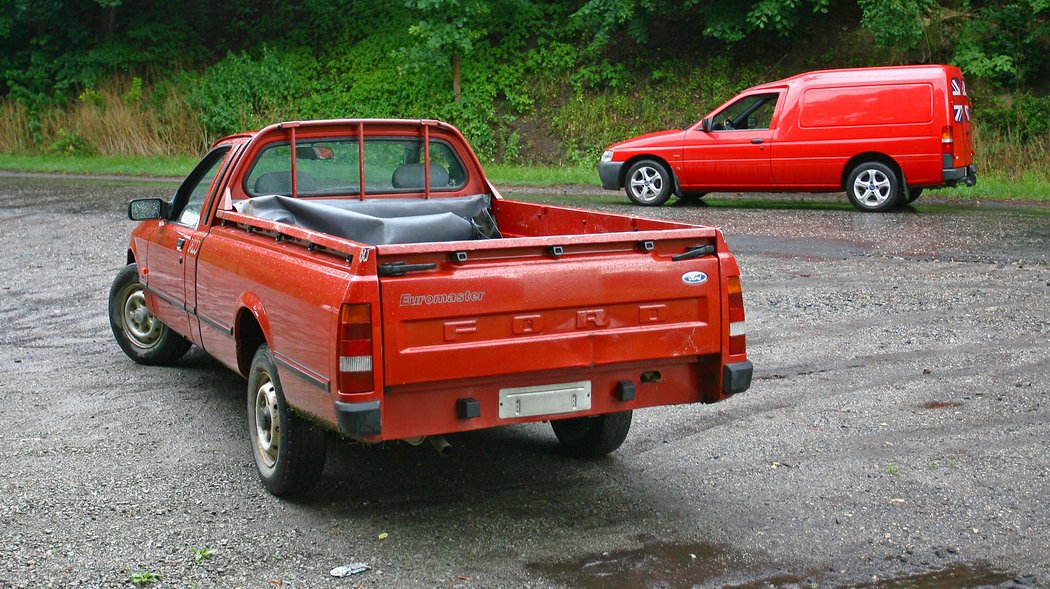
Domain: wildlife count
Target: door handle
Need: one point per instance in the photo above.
(179, 243)
(757, 140)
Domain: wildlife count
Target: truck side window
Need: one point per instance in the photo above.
(195, 190)
(748, 113)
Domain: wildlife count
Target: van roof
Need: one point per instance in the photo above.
(904, 73)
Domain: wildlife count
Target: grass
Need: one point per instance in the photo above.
(525, 175)
(96, 165)
(1029, 187)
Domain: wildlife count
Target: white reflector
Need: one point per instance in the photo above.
(738, 328)
(355, 363)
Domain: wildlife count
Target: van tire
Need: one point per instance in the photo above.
(141, 335)
(590, 437)
(914, 192)
(648, 183)
(873, 187)
(691, 197)
(289, 451)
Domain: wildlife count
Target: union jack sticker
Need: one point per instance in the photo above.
(963, 84)
(956, 87)
(966, 109)
(960, 113)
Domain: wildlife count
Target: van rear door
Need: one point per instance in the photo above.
(961, 113)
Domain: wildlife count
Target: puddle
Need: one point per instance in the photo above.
(701, 566)
(940, 405)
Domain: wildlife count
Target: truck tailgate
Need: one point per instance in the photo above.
(521, 305)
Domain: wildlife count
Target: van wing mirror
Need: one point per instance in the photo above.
(705, 125)
(147, 209)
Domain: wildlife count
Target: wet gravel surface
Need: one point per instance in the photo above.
(896, 434)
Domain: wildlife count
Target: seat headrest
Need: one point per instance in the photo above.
(413, 176)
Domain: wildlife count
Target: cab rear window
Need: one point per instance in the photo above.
(332, 167)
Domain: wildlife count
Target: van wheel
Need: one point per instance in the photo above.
(289, 451)
(914, 192)
(592, 436)
(873, 187)
(648, 183)
(141, 335)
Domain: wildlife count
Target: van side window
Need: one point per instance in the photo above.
(748, 113)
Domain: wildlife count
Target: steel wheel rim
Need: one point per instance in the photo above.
(872, 187)
(266, 423)
(646, 184)
(141, 327)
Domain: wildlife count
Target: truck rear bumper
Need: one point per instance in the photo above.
(359, 419)
(609, 172)
(736, 377)
(966, 175)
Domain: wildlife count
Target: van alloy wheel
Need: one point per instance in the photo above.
(648, 183)
(873, 187)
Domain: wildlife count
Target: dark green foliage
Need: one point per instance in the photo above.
(541, 80)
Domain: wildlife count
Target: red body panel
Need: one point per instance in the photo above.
(563, 296)
(822, 123)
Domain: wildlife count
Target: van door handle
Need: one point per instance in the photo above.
(179, 243)
(757, 140)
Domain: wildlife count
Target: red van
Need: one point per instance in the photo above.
(881, 134)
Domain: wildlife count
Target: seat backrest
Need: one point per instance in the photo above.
(281, 183)
(413, 176)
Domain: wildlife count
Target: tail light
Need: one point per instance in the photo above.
(737, 326)
(355, 348)
(947, 140)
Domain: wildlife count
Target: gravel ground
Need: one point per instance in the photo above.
(895, 435)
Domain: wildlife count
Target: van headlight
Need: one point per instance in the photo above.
(606, 156)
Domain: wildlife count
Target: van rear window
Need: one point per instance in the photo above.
(898, 104)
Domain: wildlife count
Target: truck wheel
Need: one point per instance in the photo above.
(593, 436)
(648, 183)
(289, 451)
(914, 192)
(141, 335)
(873, 187)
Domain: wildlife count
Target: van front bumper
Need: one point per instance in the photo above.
(609, 172)
(966, 175)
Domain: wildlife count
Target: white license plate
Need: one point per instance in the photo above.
(549, 399)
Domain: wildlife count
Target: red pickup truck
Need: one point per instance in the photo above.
(365, 277)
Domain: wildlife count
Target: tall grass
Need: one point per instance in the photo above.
(117, 117)
(1006, 155)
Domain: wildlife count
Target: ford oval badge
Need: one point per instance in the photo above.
(694, 278)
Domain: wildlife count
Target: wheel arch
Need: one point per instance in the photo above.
(250, 333)
(870, 156)
(648, 156)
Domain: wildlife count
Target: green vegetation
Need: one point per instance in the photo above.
(119, 165)
(201, 554)
(538, 86)
(143, 578)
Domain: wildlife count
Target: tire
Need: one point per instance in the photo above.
(873, 187)
(691, 197)
(648, 183)
(914, 192)
(289, 451)
(593, 436)
(141, 335)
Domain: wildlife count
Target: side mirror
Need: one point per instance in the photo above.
(705, 125)
(146, 209)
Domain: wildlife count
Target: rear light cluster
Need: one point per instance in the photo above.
(355, 348)
(947, 140)
(737, 327)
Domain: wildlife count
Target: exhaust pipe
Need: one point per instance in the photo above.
(441, 445)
